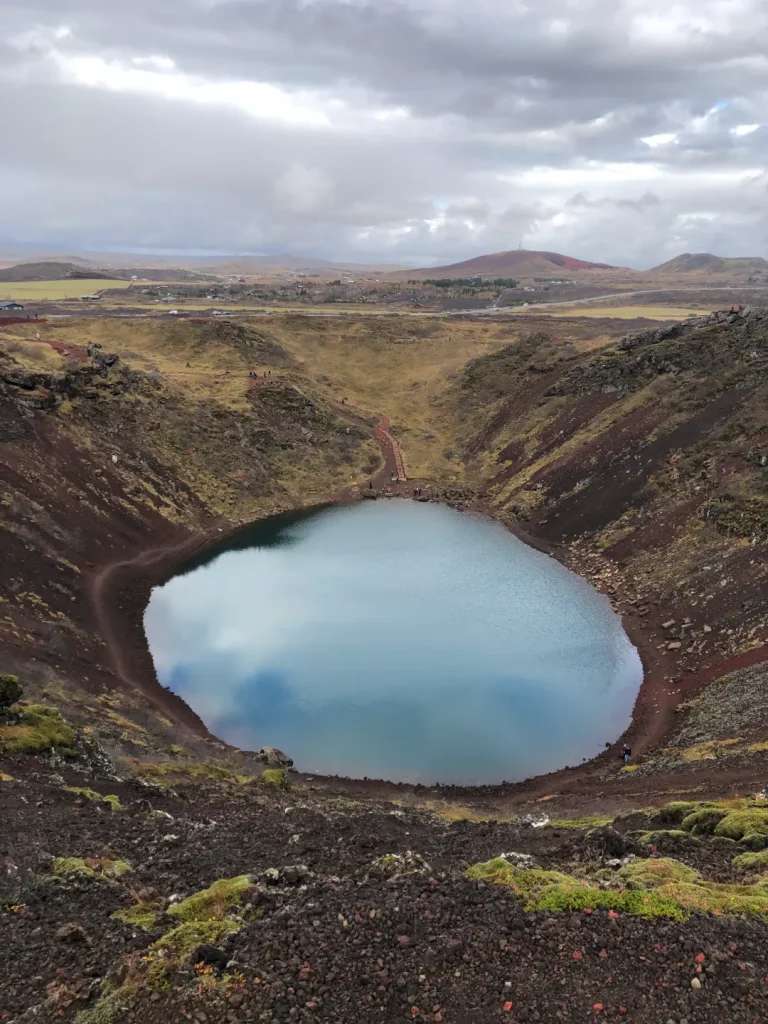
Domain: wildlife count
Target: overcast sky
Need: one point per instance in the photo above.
(410, 131)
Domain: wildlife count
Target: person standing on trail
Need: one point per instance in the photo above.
(626, 754)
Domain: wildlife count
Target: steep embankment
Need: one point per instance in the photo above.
(644, 466)
(104, 469)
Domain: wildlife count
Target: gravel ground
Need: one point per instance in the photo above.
(339, 939)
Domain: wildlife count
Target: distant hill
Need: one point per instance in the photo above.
(512, 263)
(60, 270)
(49, 271)
(706, 263)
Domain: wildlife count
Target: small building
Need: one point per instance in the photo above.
(7, 306)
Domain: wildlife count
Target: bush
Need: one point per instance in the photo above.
(10, 691)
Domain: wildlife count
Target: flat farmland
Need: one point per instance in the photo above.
(41, 291)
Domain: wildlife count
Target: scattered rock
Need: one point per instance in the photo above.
(211, 955)
(72, 933)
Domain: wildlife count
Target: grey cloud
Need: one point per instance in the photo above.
(492, 94)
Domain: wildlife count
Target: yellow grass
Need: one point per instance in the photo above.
(398, 367)
(627, 312)
(395, 366)
(32, 354)
(159, 345)
(38, 291)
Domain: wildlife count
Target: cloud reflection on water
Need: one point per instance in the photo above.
(397, 640)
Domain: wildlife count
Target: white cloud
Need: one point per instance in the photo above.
(740, 130)
(260, 100)
(662, 139)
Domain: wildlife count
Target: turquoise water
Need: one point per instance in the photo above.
(396, 640)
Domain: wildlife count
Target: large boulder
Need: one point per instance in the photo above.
(274, 758)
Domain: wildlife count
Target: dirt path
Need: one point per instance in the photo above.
(101, 583)
(393, 453)
(118, 592)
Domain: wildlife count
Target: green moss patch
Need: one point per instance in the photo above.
(752, 840)
(207, 917)
(652, 873)
(178, 945)
(658, 887)
(37, 728)
(556, 891)
(277, 777)
(169, 773)
(93, 867)
(672, 814)
(659, 836)
(214, 902)
(703, 821)
(110, 799)
(737, 824)
(751, 861)
(140, 915)
(111, 1007)
(579, 823)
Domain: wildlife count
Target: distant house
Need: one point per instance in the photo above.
(6, 306)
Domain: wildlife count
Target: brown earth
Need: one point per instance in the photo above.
(327, 931)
